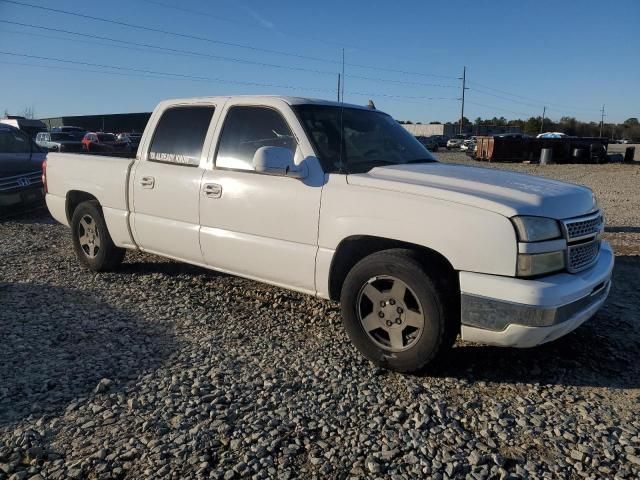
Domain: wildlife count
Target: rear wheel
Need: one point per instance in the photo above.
(91, 240)
(394, 313)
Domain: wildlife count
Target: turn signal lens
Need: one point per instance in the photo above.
(530, 265)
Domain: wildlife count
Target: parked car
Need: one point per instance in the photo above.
(551, 135)
(454, 143)
(429, 142)
(442, 140)
(131, 140)
(472, 151)
(20, 170)
(76, 132)
(341, 202)
(58, 142)
(468, 144)
(100, 142)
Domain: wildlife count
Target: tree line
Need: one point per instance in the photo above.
(629, 129)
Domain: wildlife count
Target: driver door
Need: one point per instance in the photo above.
(256, 225)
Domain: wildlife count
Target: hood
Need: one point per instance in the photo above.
(503, 192)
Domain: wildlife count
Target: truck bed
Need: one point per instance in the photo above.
(105, 177)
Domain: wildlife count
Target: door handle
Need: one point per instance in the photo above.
(147, 182)
(212, 190)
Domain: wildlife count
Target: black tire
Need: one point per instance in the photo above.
(439, 331)
(101, 254)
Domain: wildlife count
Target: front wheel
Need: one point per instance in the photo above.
(394, 313)
(91, 240)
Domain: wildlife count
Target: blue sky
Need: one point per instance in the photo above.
(570, 56)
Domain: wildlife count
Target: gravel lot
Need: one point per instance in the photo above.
(164, 370)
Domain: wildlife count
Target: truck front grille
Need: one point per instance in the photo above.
(18, 182)
(582, 256)
(583, 227)
(583, 244)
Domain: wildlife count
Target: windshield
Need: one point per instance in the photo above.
(106, 137)
(370, 139)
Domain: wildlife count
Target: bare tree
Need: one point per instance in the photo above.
(29, 112)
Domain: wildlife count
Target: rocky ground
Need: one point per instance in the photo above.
(163, 370)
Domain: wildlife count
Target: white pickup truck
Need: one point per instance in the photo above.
(340, 202)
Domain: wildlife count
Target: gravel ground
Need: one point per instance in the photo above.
(163, 370)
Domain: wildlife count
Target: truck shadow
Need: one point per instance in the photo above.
(147, 264)
(37, 214)
(601, 353)
(58, 343)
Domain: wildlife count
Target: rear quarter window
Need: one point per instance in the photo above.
(179, 135)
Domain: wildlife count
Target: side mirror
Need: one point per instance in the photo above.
(277, 161)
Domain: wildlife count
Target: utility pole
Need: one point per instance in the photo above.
(338, 87)
(464, 80)
(601, 120)
(343, 79)
(544, 110)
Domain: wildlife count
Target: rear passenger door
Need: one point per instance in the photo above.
(166, 183)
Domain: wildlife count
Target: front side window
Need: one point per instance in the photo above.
(179, 135)
(245, 130)
(355, 140)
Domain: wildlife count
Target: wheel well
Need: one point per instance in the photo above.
(353, 249)
(75, 198)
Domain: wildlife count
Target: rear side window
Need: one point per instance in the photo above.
(179, 135)
(246, 129)
(14, 142)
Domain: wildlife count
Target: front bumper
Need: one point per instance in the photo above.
(24, 196)
(521, 313)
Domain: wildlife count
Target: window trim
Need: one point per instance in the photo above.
(214, 159)
(210, 106)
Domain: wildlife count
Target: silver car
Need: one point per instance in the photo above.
(58, 142)
(454, 143)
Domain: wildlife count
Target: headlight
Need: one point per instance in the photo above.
(539, 263)
(535, 229)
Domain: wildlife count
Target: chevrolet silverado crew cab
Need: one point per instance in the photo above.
(340, 202)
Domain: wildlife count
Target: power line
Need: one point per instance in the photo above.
(538, 101)
(497, 108)
(503, 98)
(165, 74)
(401, 82)
(201, 13)
(154, 72)
(215, 41)
(166, 49)
(206, 55)
(169, 32)
(297, 34)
